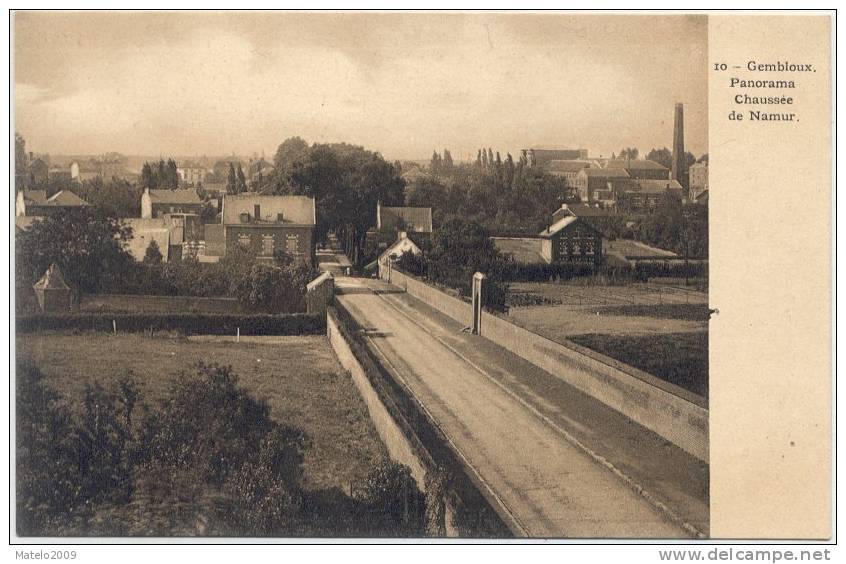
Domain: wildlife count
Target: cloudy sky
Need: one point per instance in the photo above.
(210, 83)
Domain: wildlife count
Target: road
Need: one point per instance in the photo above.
(548, 484)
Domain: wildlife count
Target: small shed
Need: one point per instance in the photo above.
(52, 291)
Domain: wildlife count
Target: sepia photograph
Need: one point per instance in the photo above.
(364, 275)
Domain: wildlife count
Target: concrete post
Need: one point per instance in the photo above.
(477, 302)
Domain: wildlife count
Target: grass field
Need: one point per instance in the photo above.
(298, 376)
(676, 358)
(630, 248)
(658, 329)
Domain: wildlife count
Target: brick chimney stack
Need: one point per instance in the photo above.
(677, 171)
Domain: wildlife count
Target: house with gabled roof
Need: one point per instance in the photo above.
(266, 224)
(601, 185)
(35, 202)
(570, 239)
(157, 203)
(646, 195)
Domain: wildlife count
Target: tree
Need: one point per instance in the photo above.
(459, 249)
(447, 164)
(21, 163)
(629, 153)
(232, 180)
(153, 255)
(662, 156)
(116, 198)
(161, 174)
(509, 171)
(241, 180)
(435, 163)
(347, 182)
(289, 152)
(148, 177)
(86, 243)
(171, 178)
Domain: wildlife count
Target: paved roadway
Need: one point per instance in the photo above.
(548, 484)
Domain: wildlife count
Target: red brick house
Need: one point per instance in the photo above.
(569, 239)
(269, 223)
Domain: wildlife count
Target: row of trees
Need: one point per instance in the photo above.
(161, 175)
(441, 164)
(236, 182)
(504, 196)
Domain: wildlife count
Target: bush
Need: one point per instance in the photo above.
(47, 480)
(460, 249)
(208, 435)
(185, 323)
(392, 500)
(102, 443)
(271, 288)
(675, 269)
(212, 426)
(266, 491)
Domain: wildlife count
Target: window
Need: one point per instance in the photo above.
(292, 244)
(267, 245)
(244, 239)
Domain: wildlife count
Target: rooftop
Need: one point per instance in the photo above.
(64, 198)
(174, 197)
(584, 210)
(634, 164)
(657, 186)
(568, 166)
(295, 210)
(606, 172)
(52, 280)
(559, 225)
(404, 218)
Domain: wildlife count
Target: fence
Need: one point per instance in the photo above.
(672, 412)
(148, 303)
(410, 436)
(186, 323)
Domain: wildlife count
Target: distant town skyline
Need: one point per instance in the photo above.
(403, 84)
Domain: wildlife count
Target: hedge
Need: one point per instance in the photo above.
(186, 323)
(641, 272)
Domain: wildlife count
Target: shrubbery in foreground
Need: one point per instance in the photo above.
(208, 460)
